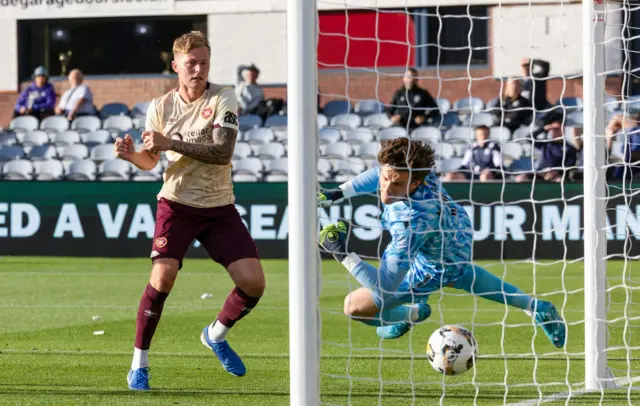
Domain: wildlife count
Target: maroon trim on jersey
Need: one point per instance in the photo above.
(216, 126)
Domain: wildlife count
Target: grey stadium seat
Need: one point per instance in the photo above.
(512, 150)
(501, 134)
(241, 150)
(460, 134)
(51, 169)
(444, 150)
(114, 170)
(114, 109)
(368, 107)
(328, 135)
(117, 123)
(443, 104)
(139, 122)
(24, 124)
(7, 138)
(522, 133)
(450, 165)
(351, 166)
(11, 152)
(101, 153)
(392, 133)
(153, 175)
(338, 150)
(575, 119)
(35, 138)
(468, 104)
(359, 136)
(346, 121)
(245, 177)
(426, 134)
(55, 124)
(259, 136)
(97, 137)
(323, 121)
(278, 166)
(272, 150)
(86, 123)
(82, 170)
(276, 121)
(277, 177)
(43, 153)
(140, 109)
(65, 138)
(18, 169)
(477, 119)
(73, 152)
(252, 166)
(377, 121)
(249, 121)
(324, 169)
(369, 150)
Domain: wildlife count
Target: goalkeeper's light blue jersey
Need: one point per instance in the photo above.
(431, 234)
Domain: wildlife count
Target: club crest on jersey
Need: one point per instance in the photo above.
(161, 242)
(206, 112)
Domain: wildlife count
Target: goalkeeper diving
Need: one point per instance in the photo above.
(430, 248)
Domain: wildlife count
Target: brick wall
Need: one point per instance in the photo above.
(452, 84)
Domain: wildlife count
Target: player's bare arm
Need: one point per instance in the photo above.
(218, 153)
(144, 159)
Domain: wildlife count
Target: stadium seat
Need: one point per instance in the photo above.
(245, 177)
(522, 134)
(35, 138)
(367, 107)
(323, 121)
(468, 104)
(97, 137)
(7, 138)
(24, 123)
(478, 119)
(54, 124)
(114, 170)
(241, 150)
(82, 170)
(522, 165)
(139, 122)
(276, 121)
(18, 169)
(251, 166)
(118, 123)
(114, 109)
(272, 150)
(65, 138)
(278, 166)
(259, 136)
(335, 107)
(346, 121)
(74, 152)
(324, 169)
(342, 178)
(369, 150)
(276, 177)
(392, 133)
(617, 151)
(140, 109)
(249, 121)
(11, 152)
(101, 153)
(377, 121)
(444, 150)
(570, 103)
(42, 153)
(460, 134)
(426, 134)
(501, 134)
(450, 165)
(139, 175)
(512, 150)
(359, 136)
(50, 169)
(443, 104)
(338, 150)
(575, 119)
(86, 123)
(328, 135)
(351, 166)
(447, 120)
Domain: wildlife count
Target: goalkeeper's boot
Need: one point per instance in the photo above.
(333, 238)
(138, 379)
(230, 361)
(551, 323)
(399, 329)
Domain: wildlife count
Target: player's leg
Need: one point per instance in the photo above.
(480, 282)
(172, 236)
(362, 305)
(229, 243)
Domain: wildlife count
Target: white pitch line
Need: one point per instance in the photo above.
(565, 395)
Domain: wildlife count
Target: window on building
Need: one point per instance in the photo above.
(101, 46)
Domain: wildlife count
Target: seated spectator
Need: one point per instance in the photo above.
(39, 98)
(78, 99)
(411, 105)
(534, 87)
(557, 157)
(250, 95)
(483, 161)
(514, 110)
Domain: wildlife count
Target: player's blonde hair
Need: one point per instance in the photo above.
(191, 40)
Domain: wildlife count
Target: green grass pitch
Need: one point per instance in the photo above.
(49, 354)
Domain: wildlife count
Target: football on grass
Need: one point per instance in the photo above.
(452, 350)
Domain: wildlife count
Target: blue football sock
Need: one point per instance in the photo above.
(481, 282)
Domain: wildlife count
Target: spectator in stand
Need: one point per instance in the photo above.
(514, 110)
(483, 161)
(250, 95)
(534, 87)
(412, 105)
(78, 99)
(557, 157)
(39, 98)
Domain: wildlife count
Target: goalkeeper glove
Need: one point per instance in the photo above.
(333, 238)
(330, 197)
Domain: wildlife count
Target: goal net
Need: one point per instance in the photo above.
(540, 163)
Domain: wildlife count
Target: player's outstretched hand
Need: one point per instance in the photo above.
(330, 197)
(124, 148)
(333, 238)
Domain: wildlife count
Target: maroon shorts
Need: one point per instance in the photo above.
(220, 231)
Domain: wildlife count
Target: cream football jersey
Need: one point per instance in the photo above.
(187, 180)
